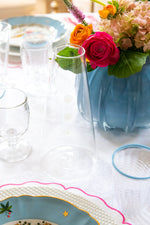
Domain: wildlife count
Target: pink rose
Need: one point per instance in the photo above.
(101, 50)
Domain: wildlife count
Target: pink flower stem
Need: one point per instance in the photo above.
(75, 12)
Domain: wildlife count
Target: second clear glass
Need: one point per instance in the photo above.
(70, 141)
(5, 31)
(14, 122)
(35, 50)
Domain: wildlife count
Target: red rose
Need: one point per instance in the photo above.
(101, 50)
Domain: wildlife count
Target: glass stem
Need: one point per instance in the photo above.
(12, 138)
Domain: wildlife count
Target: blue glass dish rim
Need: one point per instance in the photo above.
(138, 146)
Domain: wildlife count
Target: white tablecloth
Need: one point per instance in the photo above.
(99, 181)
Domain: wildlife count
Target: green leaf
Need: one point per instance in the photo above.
(2, 211)
(68, 52)
(89, 68)
(2, 205)
(7, 205)
(8, 209)
(130, 62)
(71, 64)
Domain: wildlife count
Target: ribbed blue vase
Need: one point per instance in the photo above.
(118, 103)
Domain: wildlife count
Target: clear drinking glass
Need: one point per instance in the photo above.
(70, 140)
(35, 52)
(5, 29)
(14, 122)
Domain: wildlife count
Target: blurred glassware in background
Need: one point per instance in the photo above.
(5, 30)
(131, 179)
(71, 152)
(14, 122)
(35, 52)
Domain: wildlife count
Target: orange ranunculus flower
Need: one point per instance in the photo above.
(112, 9)
(80, 34)
(103, 13)
(109, 9)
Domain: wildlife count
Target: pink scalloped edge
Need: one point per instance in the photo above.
(67, 188)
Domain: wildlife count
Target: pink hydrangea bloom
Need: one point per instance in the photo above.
(126, 43)
(132, 27)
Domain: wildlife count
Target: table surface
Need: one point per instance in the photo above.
(99, 181)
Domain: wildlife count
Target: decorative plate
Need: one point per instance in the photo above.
(35, 203)
(27, 24)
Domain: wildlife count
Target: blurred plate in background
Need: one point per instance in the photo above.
(27, 24)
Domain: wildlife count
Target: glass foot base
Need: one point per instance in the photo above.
(21, 152)
(68, 162)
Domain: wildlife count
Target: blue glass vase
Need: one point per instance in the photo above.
(118, 103)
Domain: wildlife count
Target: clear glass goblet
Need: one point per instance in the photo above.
(70, 142)
(14, 122)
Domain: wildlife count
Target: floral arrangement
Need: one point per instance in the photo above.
(122, 41)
